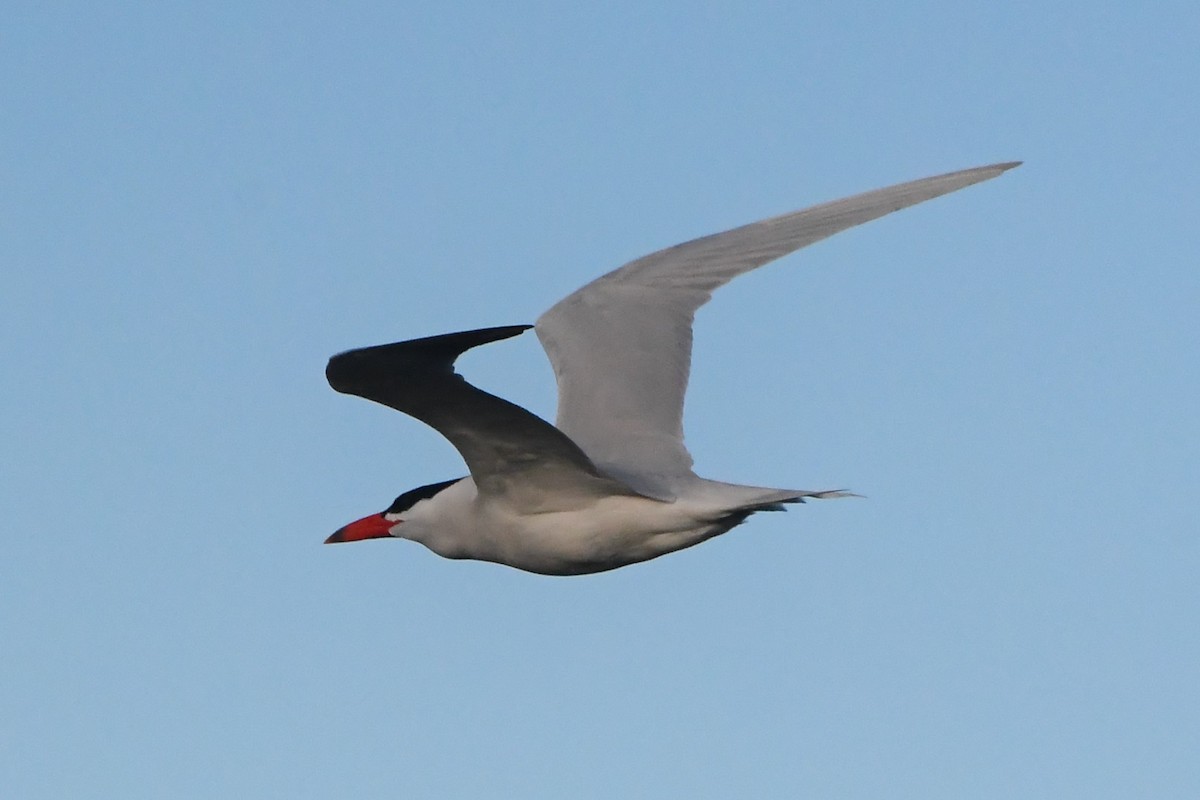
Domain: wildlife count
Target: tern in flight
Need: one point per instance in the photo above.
(611, 482)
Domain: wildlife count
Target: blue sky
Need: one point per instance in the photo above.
(202, 202)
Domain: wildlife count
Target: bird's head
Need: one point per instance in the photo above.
(388, 522)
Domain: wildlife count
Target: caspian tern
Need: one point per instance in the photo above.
(611, 483)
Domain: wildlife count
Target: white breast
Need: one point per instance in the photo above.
(607, 533)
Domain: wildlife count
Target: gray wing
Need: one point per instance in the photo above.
(508, 450)
(621, 346)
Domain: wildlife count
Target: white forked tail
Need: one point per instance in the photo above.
(760, 498)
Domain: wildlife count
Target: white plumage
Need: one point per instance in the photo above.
(612, 483)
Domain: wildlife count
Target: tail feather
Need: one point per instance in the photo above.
(737, 516)
(828, 494)
(764, 497)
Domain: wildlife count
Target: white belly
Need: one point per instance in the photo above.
(609, 533)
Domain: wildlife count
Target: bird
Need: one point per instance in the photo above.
(610, 483)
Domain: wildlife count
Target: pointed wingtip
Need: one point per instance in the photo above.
(354, 371)
(982, 173)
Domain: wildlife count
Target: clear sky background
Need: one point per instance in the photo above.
(202, 202)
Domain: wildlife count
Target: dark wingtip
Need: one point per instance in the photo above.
(349, 371)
